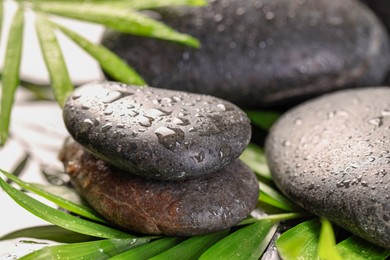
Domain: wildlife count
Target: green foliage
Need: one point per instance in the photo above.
(55, 63)
(118, 15)
(91, 237)
(246, 243)
(10, 78)
(99, 250)
(60, 218)
(327, 242)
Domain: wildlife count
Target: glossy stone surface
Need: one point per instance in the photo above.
(331, 155)
(190, 207)
(156, 133)
(263, 52)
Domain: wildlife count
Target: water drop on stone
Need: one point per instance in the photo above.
(106, 127)
(85, 107)
(298, 121)
(386, 112)
(113, 96)
(377, 121)
(108, 111)
(145, 121)
(200, 157)
(86, 125)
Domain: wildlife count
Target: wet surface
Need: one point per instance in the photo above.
(332, 156)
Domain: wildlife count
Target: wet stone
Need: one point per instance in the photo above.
(263, 52)
(190, 207)
(156, 133)
(336, 161)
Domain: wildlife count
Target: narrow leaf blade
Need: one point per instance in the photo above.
(300, 242)
(142, 4)
(60, 218)
(327, 242)
(49, 232)
(192, 248)
(355, 248)
(110, 62)
(100, 249)
(149, 250)
(55, 63)
(118, 18)
(254, 157)
(263, 119)
(10, 77)
(271, 196)
(246, 243)
(63, 203)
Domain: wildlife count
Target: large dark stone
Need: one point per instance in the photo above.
(191, 207)
(331, 155)
(263, 52)
(156, 133)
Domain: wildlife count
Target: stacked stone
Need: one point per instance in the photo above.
(159, 161)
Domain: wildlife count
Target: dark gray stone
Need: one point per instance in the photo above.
(331, 155)
(263, 52)
(156, 133)
(190, 207)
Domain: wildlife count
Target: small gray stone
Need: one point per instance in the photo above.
(190, 207)
(263, 52)
(156, 133)
(331, 155)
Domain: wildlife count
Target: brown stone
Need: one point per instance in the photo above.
(189, 207)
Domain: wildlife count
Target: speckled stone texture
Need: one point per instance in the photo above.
(331, 155)
(156, 133)
(263, 52)
(191, 207)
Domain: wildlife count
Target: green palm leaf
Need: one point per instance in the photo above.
(63, 203)
(109, 61)
(191, 248)
(246, 243)
(60, 218)
(59, 77)
(97, 250)
(117, 18)
(10, 78)
(149, 250)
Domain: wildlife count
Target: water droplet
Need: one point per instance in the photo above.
(133, 113)
(181, 121)
(377, 121)
(286, 143)
(270, 15)
(298, 121)
(225, 107)
(76, 96)
(224, 151)
(158, 112)
(108, 111)
(386, 112)
(221, 27)
(115, 95)
(169, 137)
(200, 157)
(240, 11)
(85, 106)
(86, 125)
(145, 121)
(106, 127)
(218, 17)
(96, 121)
